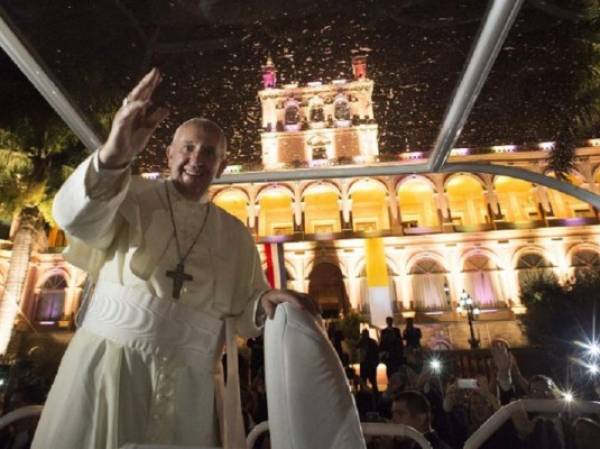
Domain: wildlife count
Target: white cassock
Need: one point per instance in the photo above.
(142, 367)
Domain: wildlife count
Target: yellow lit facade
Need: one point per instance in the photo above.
(438, 233)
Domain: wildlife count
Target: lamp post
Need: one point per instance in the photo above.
(447, 293)
(465, 304)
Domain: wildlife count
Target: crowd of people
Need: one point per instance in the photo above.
(421, 392)
(424, 393)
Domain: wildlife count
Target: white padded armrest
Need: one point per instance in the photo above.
(309, 400)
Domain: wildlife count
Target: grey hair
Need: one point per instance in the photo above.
(208, 126)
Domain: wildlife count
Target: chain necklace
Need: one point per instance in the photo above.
(179, 275)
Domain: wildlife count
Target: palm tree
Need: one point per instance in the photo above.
(34, 161)
(581, 115)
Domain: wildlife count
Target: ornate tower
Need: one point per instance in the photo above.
(318, 124)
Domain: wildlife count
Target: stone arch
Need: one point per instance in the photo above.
(276, 210)
(532, 263)
(481, 251)
(415, 257)
(565, 206)
(50, 297)
(581, 247)
(326, 285)
(584, 259)
(467, 201)
(429, 280)
(532, 249)
(378, 182)
(405, 179)
(391, 265)
(225, 190)
(596, 174)
(233, 200)
(54, 271)
(482, 278)
(474, 176)
(270, 187)
(370, 205)
(416, 196)
(324, 184)
(311, 262)
(518, 201)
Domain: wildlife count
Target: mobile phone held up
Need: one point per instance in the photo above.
(467, 384)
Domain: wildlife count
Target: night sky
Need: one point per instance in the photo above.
(211, 53)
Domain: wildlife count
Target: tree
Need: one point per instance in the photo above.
(581, 116)
(34, 161)
(560, 314)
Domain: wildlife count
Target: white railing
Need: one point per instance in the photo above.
(369, 429)
(502, 415)
(29, 411)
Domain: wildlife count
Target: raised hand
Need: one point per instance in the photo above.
(501, 356)
(133, 124)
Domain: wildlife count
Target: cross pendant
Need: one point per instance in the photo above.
(179, 276)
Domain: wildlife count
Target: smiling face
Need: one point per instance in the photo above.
(195, 157)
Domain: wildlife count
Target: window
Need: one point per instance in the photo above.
(292, 114)
(341, 109)
(428, 281)
(51, 300)
(533, 266)
(586, 261)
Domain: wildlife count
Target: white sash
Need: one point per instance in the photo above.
(139, 320)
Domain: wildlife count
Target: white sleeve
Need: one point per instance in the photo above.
(250, 323)
(86, 206)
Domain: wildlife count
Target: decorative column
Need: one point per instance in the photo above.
(346, 206)
(492, 198)
(252, 210)
(392, 201)
(298, 208)
(441, 200)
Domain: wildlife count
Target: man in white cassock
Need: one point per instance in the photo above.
(176, 279)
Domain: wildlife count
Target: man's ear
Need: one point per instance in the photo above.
(222, 167)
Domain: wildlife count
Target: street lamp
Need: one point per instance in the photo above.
(447, 292)
(465, 304)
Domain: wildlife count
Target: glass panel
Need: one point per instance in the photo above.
(214, 56)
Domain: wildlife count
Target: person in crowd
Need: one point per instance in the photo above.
(412, 352)
(412, 334)
(541, 431)
(369, 359)
(412, 408)
(586, 433)
(257, 355)
(507, 382)
(468, 405)
(336, 336)
(391, 347)
(363, 395)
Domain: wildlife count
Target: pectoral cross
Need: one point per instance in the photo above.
(179, 276)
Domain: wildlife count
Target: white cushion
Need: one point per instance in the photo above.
(309, 400)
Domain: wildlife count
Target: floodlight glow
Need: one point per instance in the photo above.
(568, 396)
(435, 365)
(594, 349)
(593, 369)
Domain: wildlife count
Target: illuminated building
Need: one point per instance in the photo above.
(438, 234)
